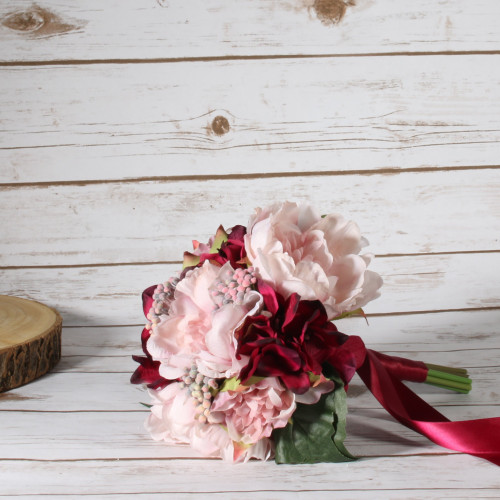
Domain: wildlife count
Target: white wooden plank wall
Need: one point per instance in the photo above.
(129, 128)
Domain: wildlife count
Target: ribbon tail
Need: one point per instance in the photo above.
(480, 438)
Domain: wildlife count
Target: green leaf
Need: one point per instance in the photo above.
(234, 383)
(230, 384)
(316, 432)
(190, 260)
(253, 380)
(220, 238)
(356, 312)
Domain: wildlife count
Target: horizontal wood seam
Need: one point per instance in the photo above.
(99, 264)
(264, 175)
(179, 263)
(163, 60)
(208, 494)
(166, 459)
(146, 411)
(369, 315)
(406, 313)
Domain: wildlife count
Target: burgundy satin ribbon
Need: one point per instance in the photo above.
(382, 376)
(402, 368)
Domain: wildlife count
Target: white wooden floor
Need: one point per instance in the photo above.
(129, 128)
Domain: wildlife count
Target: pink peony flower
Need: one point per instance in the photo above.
(251, 414)
(297, 251)
(174, 419)
(198, 331)
(172, 414)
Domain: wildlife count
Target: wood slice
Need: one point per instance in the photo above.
(30, 340)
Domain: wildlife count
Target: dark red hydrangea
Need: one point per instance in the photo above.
(295, 339)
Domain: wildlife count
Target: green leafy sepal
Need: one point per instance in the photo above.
(316, 433)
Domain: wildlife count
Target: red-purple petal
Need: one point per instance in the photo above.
(269, 295)
(291, 306)
(348, 357)
(237, 233)
(297, 382)
(147, 299)
(145, 334)
(277, 359)
(147, 372)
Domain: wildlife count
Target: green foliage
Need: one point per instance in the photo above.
(356, 312)
(234, 383)
(230, 384)
(220, 238)
(316, 432)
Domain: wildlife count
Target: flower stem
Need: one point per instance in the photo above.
(454, 379)
(447, 369)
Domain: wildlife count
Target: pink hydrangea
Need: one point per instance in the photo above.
(251, 413)
(296, 250)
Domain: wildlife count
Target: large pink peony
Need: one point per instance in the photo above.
(173, 419)
(197, 331)
(297, 251)
(251, 413)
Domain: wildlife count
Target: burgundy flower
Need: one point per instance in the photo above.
(147, 299)
(232, 250)
(295, 339)
(148, 371)
(223, 247)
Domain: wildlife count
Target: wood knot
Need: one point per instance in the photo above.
(37, 21)
(29, 20)
(220, 125)
(331, 11)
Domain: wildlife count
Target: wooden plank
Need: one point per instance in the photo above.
(164, 476)
(417, 336)
(432, 333)
(110, 295)
(118, 433)
(121, 435)
(56, 393)
(416, 494)
(156, 221)
(58, 29)
(363, 114)
(110, 428)
(119, 361)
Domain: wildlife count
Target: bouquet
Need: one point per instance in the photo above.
(243, 360)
